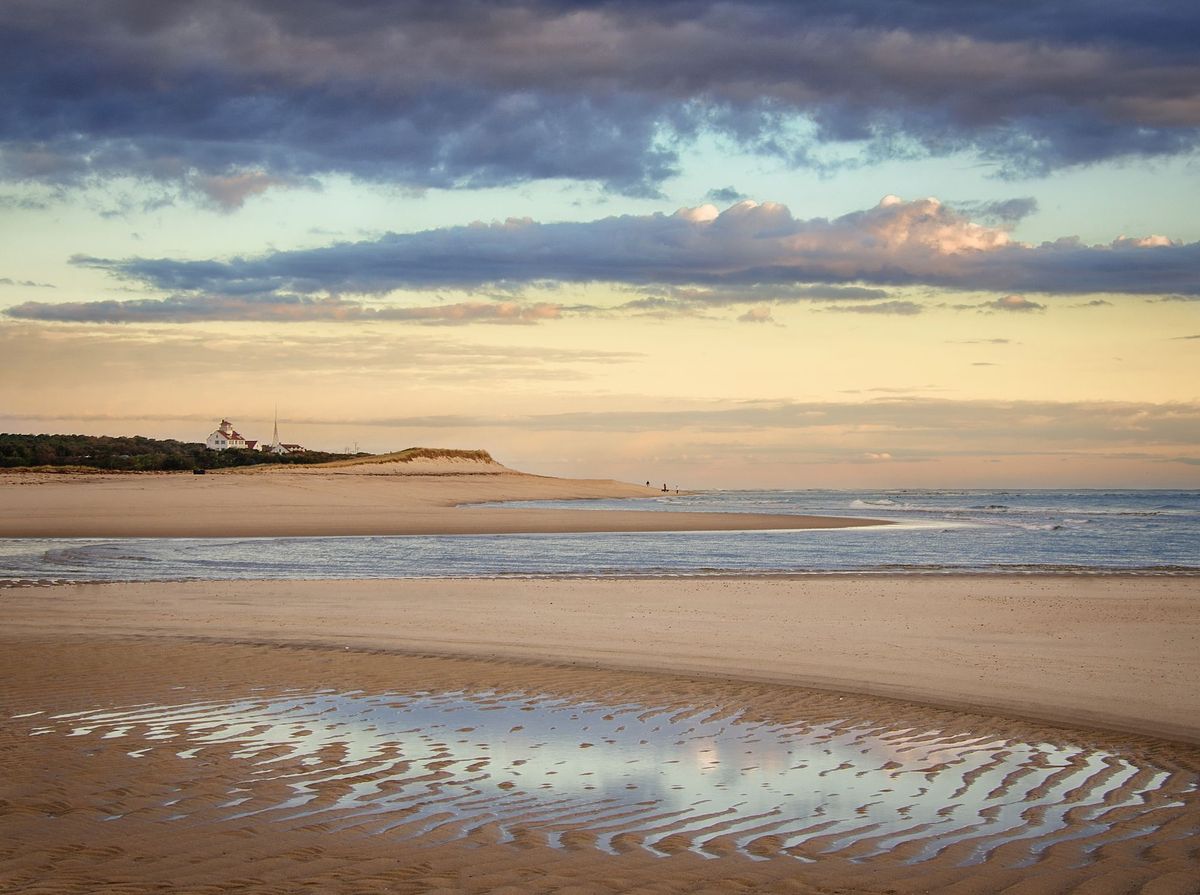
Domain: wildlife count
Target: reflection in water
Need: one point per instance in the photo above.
(498, 766)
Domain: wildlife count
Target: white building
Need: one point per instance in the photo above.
(278, 447)
(281, 448)
(227, 437)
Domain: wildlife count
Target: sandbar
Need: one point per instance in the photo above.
(364, 500)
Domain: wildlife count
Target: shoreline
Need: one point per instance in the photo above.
(332, 503)
(1107, 652)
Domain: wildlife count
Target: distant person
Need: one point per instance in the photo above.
(664, 487)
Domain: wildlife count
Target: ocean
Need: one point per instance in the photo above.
(934, 532)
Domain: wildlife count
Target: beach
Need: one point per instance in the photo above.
(418, 498)
(818, 733)
(1119, 653)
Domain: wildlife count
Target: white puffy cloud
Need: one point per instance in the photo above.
(1142, 242)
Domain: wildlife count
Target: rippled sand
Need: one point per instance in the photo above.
(219, 768)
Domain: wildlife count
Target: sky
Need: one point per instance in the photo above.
(860, 244)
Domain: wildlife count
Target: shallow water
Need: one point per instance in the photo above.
(501, 766)
(1093, 532)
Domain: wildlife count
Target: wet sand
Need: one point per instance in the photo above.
(1115, 652)
(367, 499)
(144, 764)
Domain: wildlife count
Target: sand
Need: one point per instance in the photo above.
(368, 499)
(151, 764)
(1121, 653)
(964, 734)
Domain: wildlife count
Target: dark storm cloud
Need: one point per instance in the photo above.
(748, 254)
(229, 98)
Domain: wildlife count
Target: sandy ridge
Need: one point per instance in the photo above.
(414, 498)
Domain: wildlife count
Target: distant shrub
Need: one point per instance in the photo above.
(136, 454)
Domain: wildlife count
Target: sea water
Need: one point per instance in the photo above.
(933, 531)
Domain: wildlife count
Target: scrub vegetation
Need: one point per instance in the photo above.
(137, 454)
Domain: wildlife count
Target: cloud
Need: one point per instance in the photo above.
(1012, 424)
(680, 263)
(1017, 303)
(41, 361)
(472, 94)
(230, 191)
(725, 195)
(692, 301)
(474, 312)
(898, 308)
(1142, 242)
(757, 315)
(279, 309)
(1004, 212)
(28, 284)
(895, 243)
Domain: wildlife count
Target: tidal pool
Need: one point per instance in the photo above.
(507, 766)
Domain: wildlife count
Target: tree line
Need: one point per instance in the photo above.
(137, 454)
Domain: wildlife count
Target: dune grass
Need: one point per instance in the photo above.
(408, 455)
